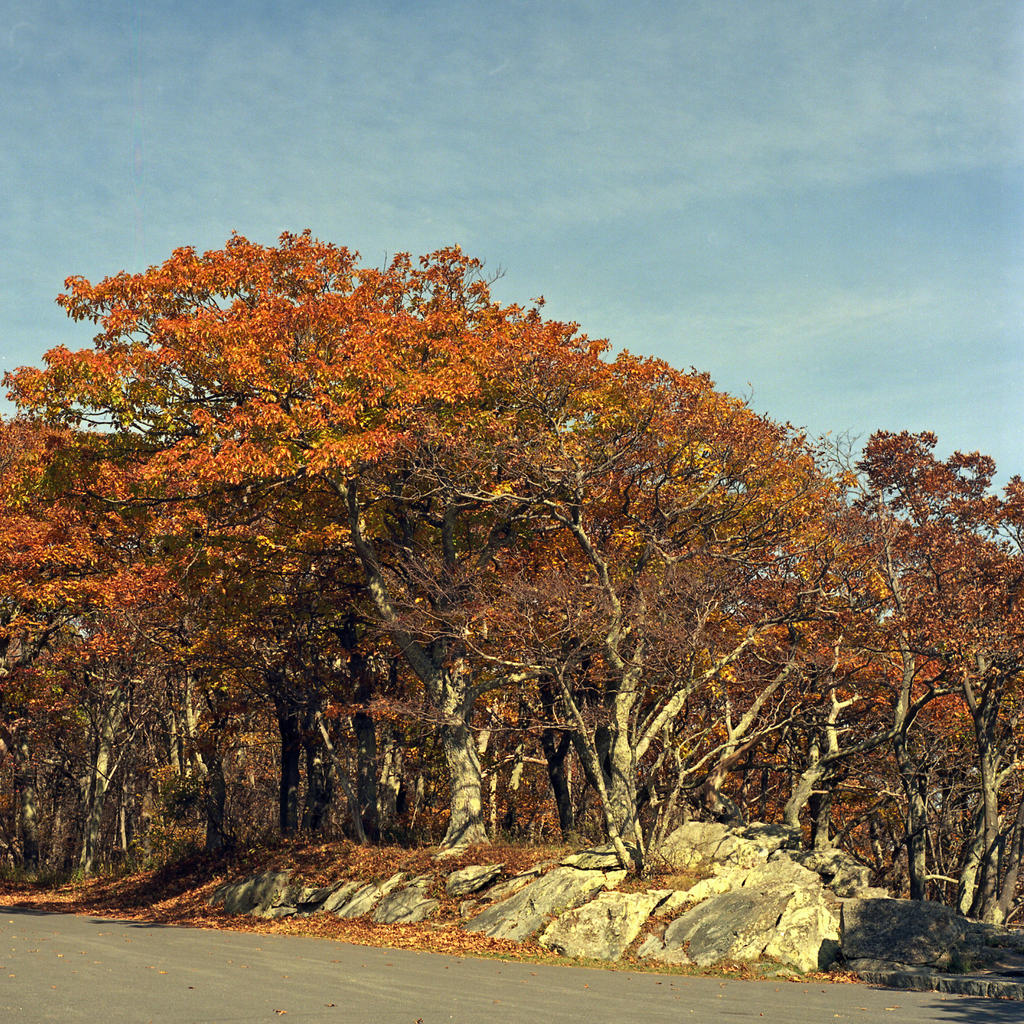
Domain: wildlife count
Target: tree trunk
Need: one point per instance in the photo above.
(365, 730)
(619, 767)
(391, 767)
(554, 757)
(466, 821)
(28, 805)
(716, 803)
(802, 792)
(291, 752)
(917, 842)
(515, 779)
(217, 838)
(985, 906)
(968, 883)
(1012, 857)
(821, 820)
(319, 790)
(99, 783)
(915, 788)
(597, 754)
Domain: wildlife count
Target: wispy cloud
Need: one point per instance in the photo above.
(759, 188)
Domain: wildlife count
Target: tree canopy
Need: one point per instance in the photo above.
(307, 545)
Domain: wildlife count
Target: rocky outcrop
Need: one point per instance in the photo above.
(342, 893)
(603, 928)
(926, 946)
(524, 913)
(777, 909)
(761, 897)
(702, 844)
(843, 874)
(884, 931)
(598, 858)
(256, 894)
(471, 879)
(408, 905)
(366, 897)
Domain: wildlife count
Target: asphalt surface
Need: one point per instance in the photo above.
(60, 967)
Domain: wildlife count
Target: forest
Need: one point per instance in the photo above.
(301, 547)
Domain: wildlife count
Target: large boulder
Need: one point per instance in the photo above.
(603, 928)
(283, 905)
(843, 874)
(701, 844)
(597, 858)
(512, 885)
(409, 904)
(341, 894)
(776, 909)
(525, 912)
(807, 934)
(366, 897)
(297, 900)
(734, 925)
(312, 897)
(912, 932)
(471, 879)
(251, 895)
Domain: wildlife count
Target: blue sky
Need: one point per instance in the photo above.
(819, 203)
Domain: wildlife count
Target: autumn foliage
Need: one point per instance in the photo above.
(305, 546)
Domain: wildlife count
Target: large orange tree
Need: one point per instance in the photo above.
(394, 394)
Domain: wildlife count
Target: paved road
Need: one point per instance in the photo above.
(59, 967)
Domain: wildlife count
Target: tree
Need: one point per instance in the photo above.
(674, 519)
(955, 566)
(254, 368)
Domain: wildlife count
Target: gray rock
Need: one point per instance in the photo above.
(776, 909)
(705, 888)
(598, 858)
(282, 905)
(654, 948)
(843, 874)
(995, 936)
(807, 934)
(903, 931)
(865, 964)
(923, 979)
(472, 879)
(365, 898)
(699, 844)
(313, 897)
(509, 887)
(276, 912)
(679, 899)
(693, 845)
(731, 926)
(524, 913)
(602, 928)
(780, 872)
(771, 837)
(342, 893)
(407, 905)
(875, 892)
(256, 893)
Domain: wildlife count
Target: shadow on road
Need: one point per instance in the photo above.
(973, 1009)
(13, 910)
